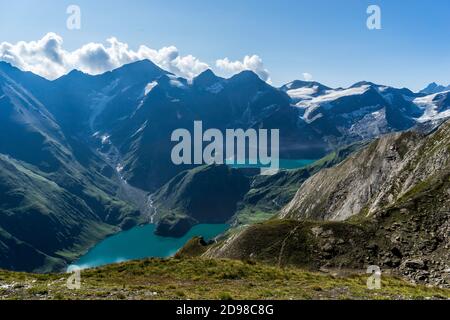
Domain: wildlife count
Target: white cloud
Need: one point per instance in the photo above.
(307, 76)
(253, 63)
(45, 56)
(48, 58)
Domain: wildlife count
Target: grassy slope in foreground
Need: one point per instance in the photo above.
(207, 279)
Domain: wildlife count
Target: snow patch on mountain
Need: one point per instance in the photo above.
(141, 129)
(105, 139)
(149, 87)
(215, 88)
(337, 94)
(323, 101)
(430, 104)
(302, 93)
(175, 82)
(331, 95)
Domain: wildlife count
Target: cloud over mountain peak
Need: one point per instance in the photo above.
(47, 57)
(253, 63)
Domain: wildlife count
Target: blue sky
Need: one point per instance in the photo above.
(325, 38)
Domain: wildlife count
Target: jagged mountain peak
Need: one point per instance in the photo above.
(296, 84)
(141, 65)
(246, 75)
(134, 72)
(5, 65)
(206, 78)
(434, 88)
(143, 70)
(208, 73)
(26, 78)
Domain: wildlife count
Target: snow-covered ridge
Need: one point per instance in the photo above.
(331, 95)
(311, 104)
(315, 101)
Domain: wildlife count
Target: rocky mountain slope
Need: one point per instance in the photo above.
(376, 177)
(386, 205)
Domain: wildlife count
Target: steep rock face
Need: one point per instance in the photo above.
(373, 178)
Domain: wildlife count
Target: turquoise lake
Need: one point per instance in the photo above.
(141, 242)
(284, 164)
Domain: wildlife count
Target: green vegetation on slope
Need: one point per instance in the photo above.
(43, 225)
(176, 279)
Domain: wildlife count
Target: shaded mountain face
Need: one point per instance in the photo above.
(207, 194)
(82, 103)
(28, 130)
(313, 119)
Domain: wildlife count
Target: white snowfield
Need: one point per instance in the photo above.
(430, 105)
(302, 93)
(313, 103)
(332, 95)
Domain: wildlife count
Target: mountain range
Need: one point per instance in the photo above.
(85, 156)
